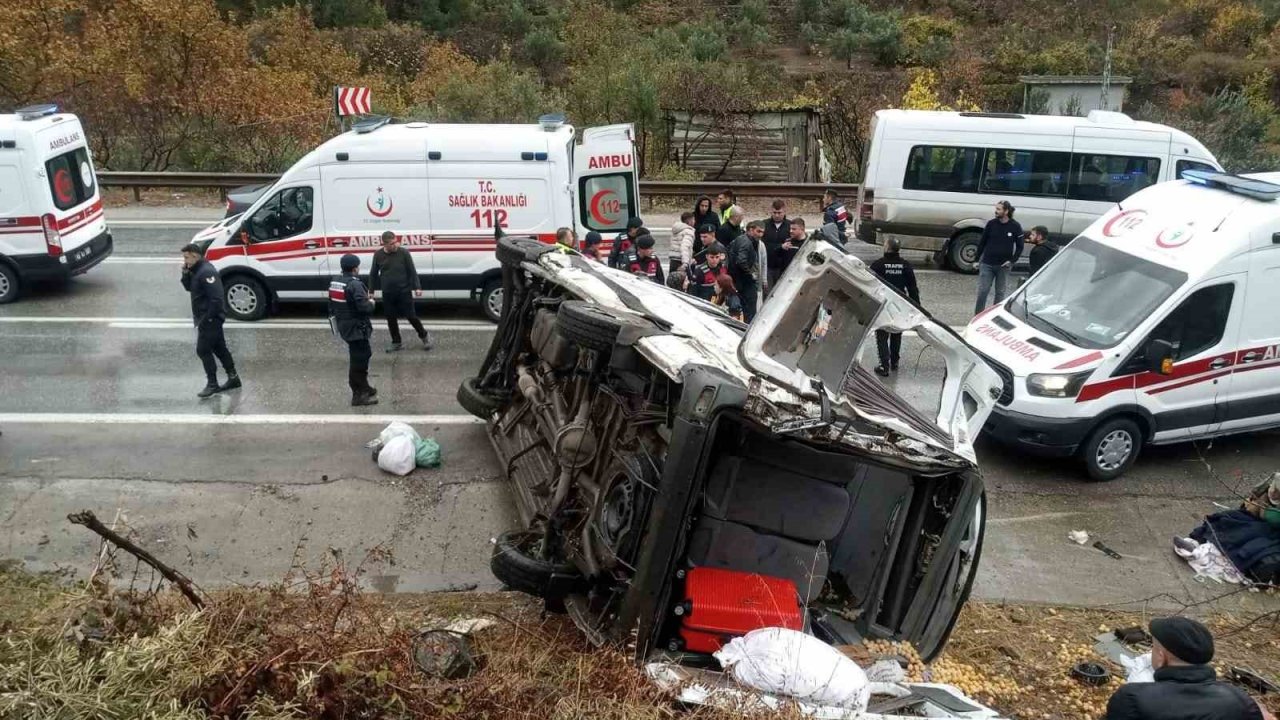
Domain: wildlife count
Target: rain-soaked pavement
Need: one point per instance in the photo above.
(98, 411)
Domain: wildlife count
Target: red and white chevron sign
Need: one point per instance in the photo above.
(351, 100)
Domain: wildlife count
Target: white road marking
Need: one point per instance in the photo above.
(129, 323)
(162, 223)
(194, 419)
(141, 260)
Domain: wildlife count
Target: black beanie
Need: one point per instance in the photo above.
(634, 223)
(1187, 639)
(349, 262)
(644, 241)
(593, 238)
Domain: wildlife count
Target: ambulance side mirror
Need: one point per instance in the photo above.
(1159, 356)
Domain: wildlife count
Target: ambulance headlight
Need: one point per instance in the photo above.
(1059, 386)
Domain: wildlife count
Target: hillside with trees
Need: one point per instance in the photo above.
(245, 84)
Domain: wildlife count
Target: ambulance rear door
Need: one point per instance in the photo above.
(606, 181)
(72, 186)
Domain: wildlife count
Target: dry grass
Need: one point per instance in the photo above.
(314, 646)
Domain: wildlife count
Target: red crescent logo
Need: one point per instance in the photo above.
(1124, 222)
(63, 186)
(390, 204)
(595, 207)
(1179, 237)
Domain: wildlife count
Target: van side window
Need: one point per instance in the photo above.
(949, 169)
(1185, 165)
(71, 178)
(1026, 172)
(286, 214)
(1198, 322)
(606, 201)
(1110, 178)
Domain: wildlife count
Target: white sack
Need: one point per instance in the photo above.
(398, 456)
(790, 663)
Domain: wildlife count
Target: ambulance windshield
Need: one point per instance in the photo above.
(1093, 296)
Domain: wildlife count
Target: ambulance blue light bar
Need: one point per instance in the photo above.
(33, 112)
(1240, 185)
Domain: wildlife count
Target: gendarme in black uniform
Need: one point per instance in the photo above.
(201, 279)
(350, 310)
(897, 272)
(650, 267)
(702, 276)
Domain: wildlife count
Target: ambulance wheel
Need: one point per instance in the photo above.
(246, 298)
(491, 300)
(515, 565)
(1111, 449)
(962, 253)
(475, 401)
(589, 325)
(10, 286)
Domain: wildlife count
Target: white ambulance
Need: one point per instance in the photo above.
(51, 221)
(1158, 324)
(443, 189)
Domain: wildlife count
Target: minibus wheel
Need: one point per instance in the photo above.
(963, 251)
(10, 285)
(1111, 449)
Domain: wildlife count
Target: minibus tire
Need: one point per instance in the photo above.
(1121, 430)
(589, 325)
(250, 286)
(10, 284)
(476, 401)
(956, 249)
(515, 568)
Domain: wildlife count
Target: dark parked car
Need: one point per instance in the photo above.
(241, 198)
(645, 433)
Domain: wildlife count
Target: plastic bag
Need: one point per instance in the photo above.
(427, 453)
(397, 456)
(1138, 669)
(396, 429)
(886, 670)
(788, 662)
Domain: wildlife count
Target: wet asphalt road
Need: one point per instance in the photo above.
(98, 409)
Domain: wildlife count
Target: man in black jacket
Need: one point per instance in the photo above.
(350, 310)
(897, 272)
(1186, 686)
(999, 248)
(777, 232)
(625, 242)
(1041, 250)
(731, 228)
(744, 267)
(201, 279)
(394, 273)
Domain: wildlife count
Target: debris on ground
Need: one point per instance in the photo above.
(1079, 537)
(315, 645)
(399, 449)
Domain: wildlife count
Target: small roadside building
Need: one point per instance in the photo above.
(1072, 94)
(775, 145)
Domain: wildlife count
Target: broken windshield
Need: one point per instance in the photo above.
(1093, 295)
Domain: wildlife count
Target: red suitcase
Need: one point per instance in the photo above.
(723, 604)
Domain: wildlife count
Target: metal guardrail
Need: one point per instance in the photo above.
(648, 188)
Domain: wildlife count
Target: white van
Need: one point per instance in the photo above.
(1156, 325)
(444, 189)
(933, 177)
(51, 221)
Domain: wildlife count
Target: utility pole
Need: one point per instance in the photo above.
(1106, 69)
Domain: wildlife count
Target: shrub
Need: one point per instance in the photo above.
(1235, 28)
(927, 40)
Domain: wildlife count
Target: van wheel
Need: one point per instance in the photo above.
(1111, 449)
(491, 300)
(515, 565)
(9, 284)
(245, 298)
(477, 402)
(592, 326)
(963, 252)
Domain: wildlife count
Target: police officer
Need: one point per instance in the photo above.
(641, 260)
(201, 279)
(350, 310)
(625, 242)
(701, 277)
(897, 272)
(834, 212)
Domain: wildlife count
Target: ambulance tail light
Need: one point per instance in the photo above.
(52, 238)
(868, 204)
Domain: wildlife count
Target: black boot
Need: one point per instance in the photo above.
(210, 388)
(363, 399)
(882, 371)
(233, 382)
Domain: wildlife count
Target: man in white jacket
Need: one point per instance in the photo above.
(681, 255)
